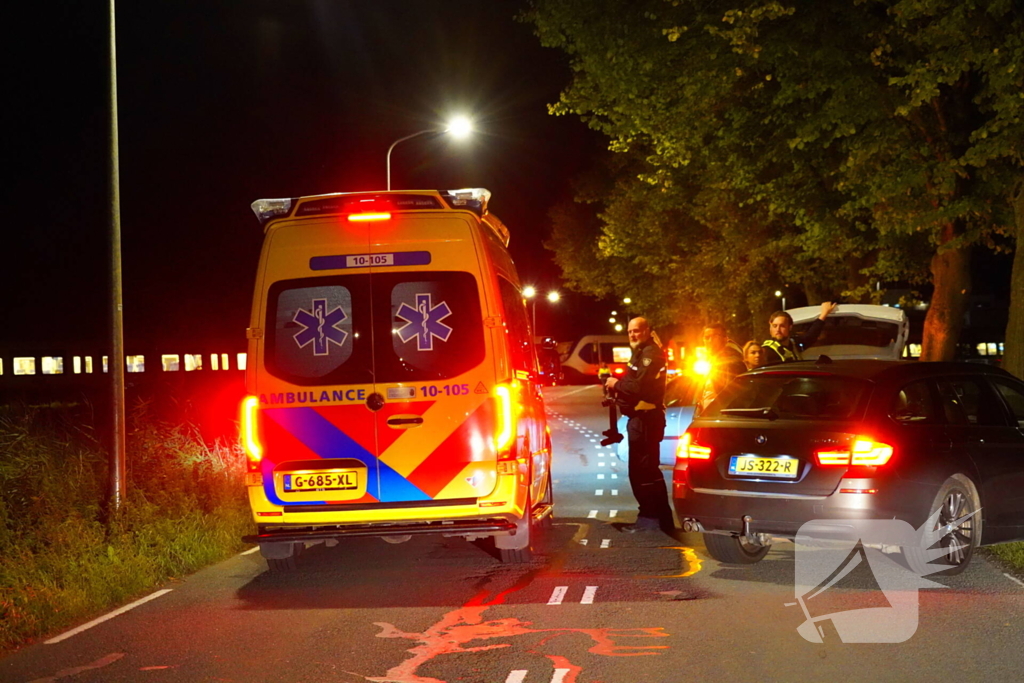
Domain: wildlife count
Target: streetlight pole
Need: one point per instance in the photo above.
(407, 137)
(116, 365)
(459, 127)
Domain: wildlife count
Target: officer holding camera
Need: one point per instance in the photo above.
(640, 395)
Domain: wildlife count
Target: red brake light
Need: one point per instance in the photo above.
(250, 429)
(690, 449)
(863, 452)
(378, 216)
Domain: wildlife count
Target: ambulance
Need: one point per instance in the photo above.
(392, 388)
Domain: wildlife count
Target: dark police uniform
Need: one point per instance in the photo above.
(641, 397)
(775, 352)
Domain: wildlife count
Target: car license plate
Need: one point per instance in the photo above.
(334, 480)
(753, 466)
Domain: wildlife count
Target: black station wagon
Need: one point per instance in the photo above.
(856, 440)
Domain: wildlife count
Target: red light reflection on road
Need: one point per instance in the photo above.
(456, 629)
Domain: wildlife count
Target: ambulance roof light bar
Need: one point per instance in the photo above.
(266, 209)
(470, 197)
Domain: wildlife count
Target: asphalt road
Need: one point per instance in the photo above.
(595, 606)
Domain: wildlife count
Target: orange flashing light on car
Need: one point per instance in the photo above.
(379, 216)
(250, 430)
(864, 452)
(689, 449)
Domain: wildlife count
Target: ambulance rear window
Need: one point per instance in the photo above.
(386, 327)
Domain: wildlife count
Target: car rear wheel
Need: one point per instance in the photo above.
(734, 549)
(952, 551)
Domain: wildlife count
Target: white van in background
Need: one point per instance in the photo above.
(581, 363)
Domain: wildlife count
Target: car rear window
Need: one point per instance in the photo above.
(788, 396)
(387, 327)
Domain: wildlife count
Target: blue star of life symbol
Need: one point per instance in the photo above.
(424, 322)
(320, 327)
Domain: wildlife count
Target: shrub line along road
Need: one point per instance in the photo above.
(595, 605)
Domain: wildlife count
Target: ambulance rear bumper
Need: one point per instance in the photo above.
(300, 533)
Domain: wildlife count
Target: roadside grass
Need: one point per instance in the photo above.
(1011, 554)
(60, 563)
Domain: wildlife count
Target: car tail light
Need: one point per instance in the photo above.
(869, 453)
(250, 429)
(690, 449)
(863, 452)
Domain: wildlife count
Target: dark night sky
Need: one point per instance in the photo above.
(225, 102)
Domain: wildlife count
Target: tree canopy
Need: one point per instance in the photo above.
(834, 145)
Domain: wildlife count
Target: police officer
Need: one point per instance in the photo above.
(782, 348)
(641, 397)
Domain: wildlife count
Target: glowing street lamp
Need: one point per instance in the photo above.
(529, 292)
(554, 296)
(618, 328)
(459, 128)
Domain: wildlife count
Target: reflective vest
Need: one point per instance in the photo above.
(788, 355)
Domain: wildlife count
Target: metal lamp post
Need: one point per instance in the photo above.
(459, 128)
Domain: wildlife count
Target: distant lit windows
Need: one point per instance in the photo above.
(170, 362)
(76, 365)
(135, 363)
(106, 366)
(915, 350)
(52, 365)
(224, 361)
(88, 365)
(193, 361)
(24, 366)
(1, 366)
(240, 361)
(214, 361)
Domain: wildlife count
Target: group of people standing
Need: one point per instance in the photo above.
(640, 396)
(727, 359)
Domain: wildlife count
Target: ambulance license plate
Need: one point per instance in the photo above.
(335, 480)
(753, 466)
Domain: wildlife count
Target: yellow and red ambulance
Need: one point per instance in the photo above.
(392, 382)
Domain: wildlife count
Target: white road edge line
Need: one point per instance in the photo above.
(559, 675)
(517, 676)
(105, 617)
(1014, 579)
(588, 595)
(557, 595)
(250, 551)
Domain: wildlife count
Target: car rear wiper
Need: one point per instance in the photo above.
(766, 413)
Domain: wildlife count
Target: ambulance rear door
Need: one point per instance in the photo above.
(318, 392)
(433, 361)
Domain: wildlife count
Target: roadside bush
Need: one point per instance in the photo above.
(61, 558)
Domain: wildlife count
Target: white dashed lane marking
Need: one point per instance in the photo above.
(599, 492)
(615, 492)
(588, 595)
(600, 476)
(592, 515)
(613, 513)
(558, 595)
(605, 542)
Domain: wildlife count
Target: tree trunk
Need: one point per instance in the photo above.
(1013, 356)
(951, 276)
